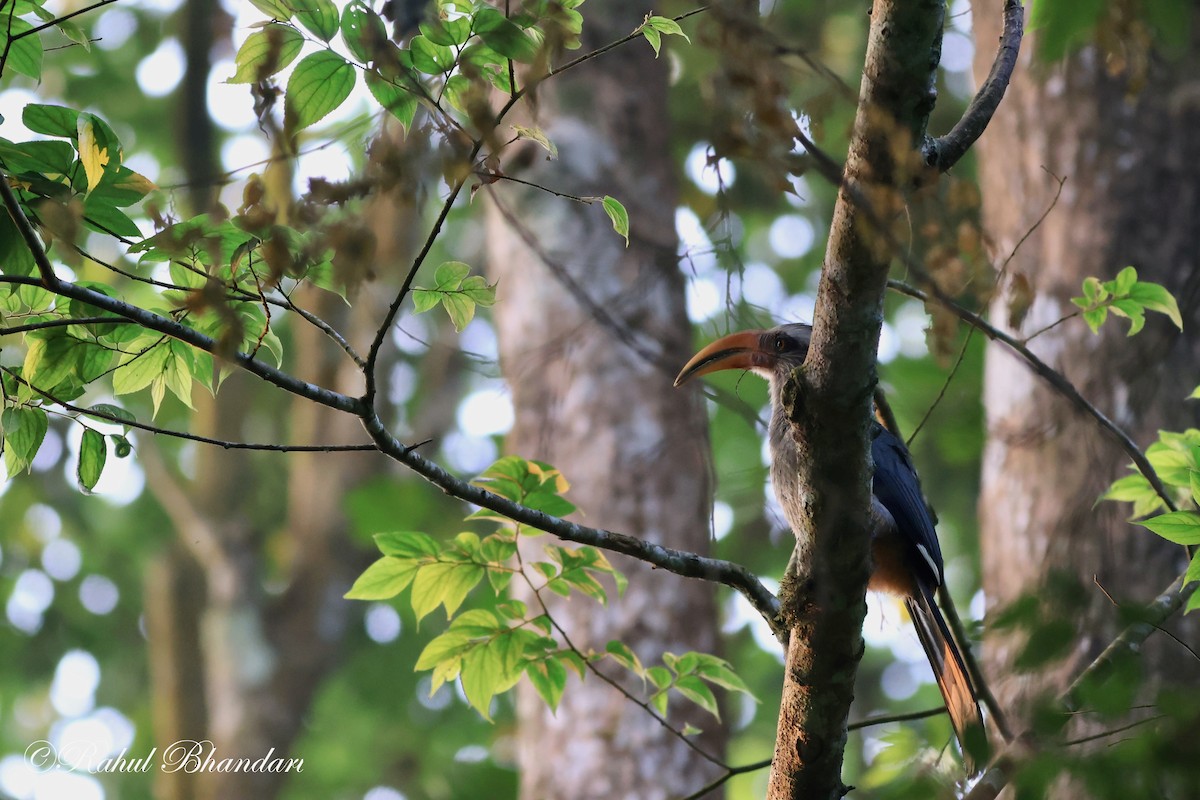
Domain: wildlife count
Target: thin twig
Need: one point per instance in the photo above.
(661, 720)
(62, 19)
(882, 719)
(1052, 376)
(191, 437)
(58, 323)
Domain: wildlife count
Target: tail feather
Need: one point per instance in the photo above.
(951, 674)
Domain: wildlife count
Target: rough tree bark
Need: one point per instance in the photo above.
(590, 338)
(829, 402)
(1124, 143)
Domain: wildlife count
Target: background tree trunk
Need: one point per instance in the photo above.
(232, 662)
(591, 333)
(1125, 144)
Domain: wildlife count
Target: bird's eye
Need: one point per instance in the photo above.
(781, 343)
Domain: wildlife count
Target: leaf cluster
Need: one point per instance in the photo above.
(489, 649)
(1125, 296)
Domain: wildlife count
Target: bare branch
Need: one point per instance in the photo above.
(191, 437)
(944, 152)
(57, 323)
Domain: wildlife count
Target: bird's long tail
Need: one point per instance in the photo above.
(951, 675)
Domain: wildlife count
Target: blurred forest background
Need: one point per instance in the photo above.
(107, 601)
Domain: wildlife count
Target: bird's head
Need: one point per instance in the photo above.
(771, 354)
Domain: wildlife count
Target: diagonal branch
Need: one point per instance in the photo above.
(1043, 370)
(944, 152)
(689, 565)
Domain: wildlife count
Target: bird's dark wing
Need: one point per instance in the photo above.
(898, 488)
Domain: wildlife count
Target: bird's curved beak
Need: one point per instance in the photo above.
(736, 351)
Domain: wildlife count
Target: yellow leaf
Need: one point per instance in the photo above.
(136, 182)
(90, 155)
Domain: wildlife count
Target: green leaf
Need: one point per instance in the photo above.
(276, 9)
(460, 309)
(1095, 318)
(425, 299)
(265, 52)
(384, 579)
(100, 215)
(319, 16)
(624, 655)
(398, 102)
(25, 54)
(654, 38)
(443, 583)
(549, 679)
(503, 36)
(320, 83)
(449, 275)
(698, 692)
(24, 430)
(121, 446)
(717, 671)
(92, 454)
(139, 369)
(659, 676)
(447, 32)
(50, 359)
(619, 216)
(1157, 298)
(124, 415)
(50, 159)
(490, 669)
(1124, 281)
(51, 120)
(1180, 527)
(430, 58)
(407, 544)
(363, 32)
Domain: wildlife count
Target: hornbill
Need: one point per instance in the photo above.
(907, 560)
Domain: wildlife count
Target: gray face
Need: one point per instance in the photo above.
(789, 346)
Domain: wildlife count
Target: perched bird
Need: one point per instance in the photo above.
(907, 560)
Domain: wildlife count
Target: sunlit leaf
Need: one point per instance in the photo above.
(398, 102)
(319, 16)
(320, 83)
(384, 579)
(92, 454)
(1180, 527)
(549, 678)
(51, 120)
(24, 54)
(619, 216)
(363, 31)
(503, 36)
(265, 52)
(24, 430)
(430, 58)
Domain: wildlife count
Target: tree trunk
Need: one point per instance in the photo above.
(1127, 150)
(590, 335)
